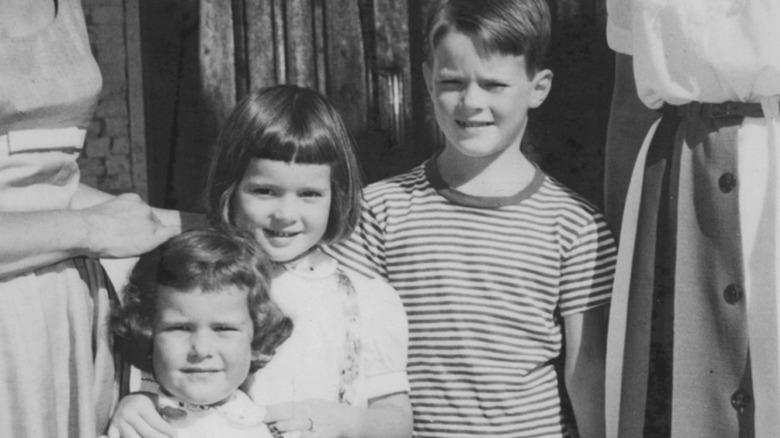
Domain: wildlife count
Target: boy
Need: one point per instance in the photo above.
(487, 252)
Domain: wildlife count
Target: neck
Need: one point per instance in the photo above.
(181, 404)
(503, 174)
(305, 262)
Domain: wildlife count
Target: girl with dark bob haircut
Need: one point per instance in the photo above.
(294, 125)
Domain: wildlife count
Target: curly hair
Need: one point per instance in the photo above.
(207, 259)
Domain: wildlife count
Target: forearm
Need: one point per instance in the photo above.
(390, 420)
(585, 386)
(584, 369)
(87, 196)
(386, 417)
(32, 240)
(124, 226)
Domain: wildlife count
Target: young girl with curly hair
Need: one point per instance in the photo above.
(198, 317)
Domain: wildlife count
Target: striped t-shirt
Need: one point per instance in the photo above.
(485, 283)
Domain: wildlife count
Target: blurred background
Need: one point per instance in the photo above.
(173, 70)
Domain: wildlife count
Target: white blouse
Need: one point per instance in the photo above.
(309, 363)
(699, 50)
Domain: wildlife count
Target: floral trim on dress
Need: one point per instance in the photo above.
(351, 368)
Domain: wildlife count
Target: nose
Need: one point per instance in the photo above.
(201, 346)
(284, 210)
(472, 96)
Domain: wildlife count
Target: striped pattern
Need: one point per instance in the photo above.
(484, 290)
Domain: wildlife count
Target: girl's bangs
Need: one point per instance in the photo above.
(314, 148)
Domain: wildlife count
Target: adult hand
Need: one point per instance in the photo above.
(312, 418)
(124, 226)
(136, 416)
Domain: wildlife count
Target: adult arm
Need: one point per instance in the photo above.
(629, 120)
(110, 227)
(137, 416)
(87, 197)
(586, 335)
(389, 416)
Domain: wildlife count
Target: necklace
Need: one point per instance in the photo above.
(173, 401)
(305, 262)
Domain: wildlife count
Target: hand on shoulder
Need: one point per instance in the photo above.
(124, 226)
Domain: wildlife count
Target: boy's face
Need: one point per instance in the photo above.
(202, 343)
(481, 104)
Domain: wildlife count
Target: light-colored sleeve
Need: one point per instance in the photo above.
(619, 28)
(385, 337)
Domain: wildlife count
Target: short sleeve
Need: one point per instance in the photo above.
(385, 338)
(588, 268)
(619, 28)
(364, 251)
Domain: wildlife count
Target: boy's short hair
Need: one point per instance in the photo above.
(291, 124)
(508, 27)
(208, 259)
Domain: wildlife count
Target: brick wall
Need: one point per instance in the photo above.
(114, 156)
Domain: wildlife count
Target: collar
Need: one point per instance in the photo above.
(460, 198)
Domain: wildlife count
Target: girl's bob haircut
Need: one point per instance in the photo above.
(207, 260)
(291, 124)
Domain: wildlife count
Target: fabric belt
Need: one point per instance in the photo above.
(695, 110)
(42, 140)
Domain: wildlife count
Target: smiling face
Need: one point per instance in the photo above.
(202, 343)
(284, 205)
(481, 101)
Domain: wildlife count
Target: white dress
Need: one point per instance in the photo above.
(712, 51)
(309, 364)
(239, 417)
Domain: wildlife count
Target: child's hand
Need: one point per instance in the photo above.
(313, 418)
(136, 416)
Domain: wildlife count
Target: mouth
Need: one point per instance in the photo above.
(472, 124)
(280, 234)
(199, 371)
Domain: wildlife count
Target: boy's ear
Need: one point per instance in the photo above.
(542, 83)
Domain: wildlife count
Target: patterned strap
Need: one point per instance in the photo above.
(351, 367)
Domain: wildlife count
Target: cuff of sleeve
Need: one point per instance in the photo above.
(619, 39)
(585, 305)
(388, 383)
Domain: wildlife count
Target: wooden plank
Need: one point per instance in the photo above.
(567, 11)
(279, 41)
(346, 83)
(216, 57)
(240, 51)
(135, 102)
(299, 21)
(164, 50)
(392, 67)
(260, 43)
(319, 45)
